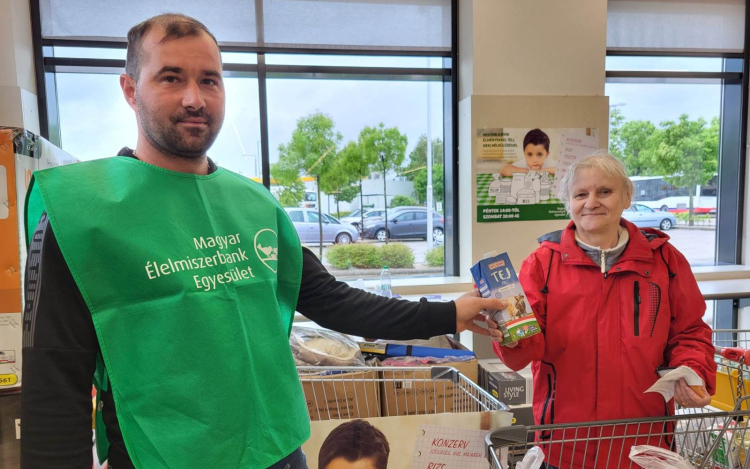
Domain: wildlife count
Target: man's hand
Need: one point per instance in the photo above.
(469, 308)
(686, 397)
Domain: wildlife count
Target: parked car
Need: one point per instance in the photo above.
(307, 226)
(353, 217)
(678, 204)
(646, 217)
(406, 223)
(369, 213)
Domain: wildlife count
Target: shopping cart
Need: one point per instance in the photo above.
(362, 392)
(733, 367)
(703, 440)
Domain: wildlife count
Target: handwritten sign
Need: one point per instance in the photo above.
(447, 447)
(573, 148)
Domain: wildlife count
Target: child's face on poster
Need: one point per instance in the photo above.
(536, 155)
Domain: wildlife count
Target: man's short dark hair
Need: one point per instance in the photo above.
(176, 26)
(353, 441)
(536, 137)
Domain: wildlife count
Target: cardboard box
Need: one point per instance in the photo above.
(508, 387)
(415, 393)
(342, 396)
(492, 380)
(21, 153)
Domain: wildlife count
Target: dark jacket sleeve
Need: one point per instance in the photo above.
(59, 357)
(336, 306)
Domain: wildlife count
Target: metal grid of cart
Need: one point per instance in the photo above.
(713, 437)
(362, 392)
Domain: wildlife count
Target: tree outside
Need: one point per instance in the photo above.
(312, 151)
(687, 151)
(402, 201)
(359, 164)
(416, 170)
(420, 184)
(684, 152)
(387, 146)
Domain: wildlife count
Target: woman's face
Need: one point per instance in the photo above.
(597, 202)
(342, 463)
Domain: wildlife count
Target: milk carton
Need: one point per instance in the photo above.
(496, 278)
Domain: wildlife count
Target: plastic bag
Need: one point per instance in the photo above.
(420, 361)
(652, 457)
(533, 459)
(319, 347)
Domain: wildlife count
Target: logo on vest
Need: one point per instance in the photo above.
(267, 248)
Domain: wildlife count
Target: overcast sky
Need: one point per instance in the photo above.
(96, 122)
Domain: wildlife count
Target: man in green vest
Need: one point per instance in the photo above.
(173, 285)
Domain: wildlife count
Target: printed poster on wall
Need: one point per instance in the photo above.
(426, 441)
(518, 170)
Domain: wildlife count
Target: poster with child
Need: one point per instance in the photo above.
(518, 169)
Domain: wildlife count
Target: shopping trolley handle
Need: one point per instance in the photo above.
(735, 354)
(507, 436)
(445, 373)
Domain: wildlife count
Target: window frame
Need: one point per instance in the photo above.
(732, 141)
(47, 65)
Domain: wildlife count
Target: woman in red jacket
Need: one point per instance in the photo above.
(615, 303)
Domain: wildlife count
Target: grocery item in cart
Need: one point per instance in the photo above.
(652, 457)
(495, 277)
(324, 348)
(533, 460)
(384, 350)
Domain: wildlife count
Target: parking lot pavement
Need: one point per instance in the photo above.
(698, 246)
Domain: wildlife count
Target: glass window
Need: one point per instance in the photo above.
(96, 122)
(408, 216)
(347, 109)
(661, 131)
(296, 216)
(312, 217)
(90, 52)
(420, 216)
(331, 219)
(354, 61)
(643, 208)
(665, 64)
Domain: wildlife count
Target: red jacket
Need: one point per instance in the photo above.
(604, 336)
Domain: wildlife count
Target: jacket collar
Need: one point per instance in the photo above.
(640, 247)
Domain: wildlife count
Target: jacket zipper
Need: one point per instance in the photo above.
(636, 310)
(546, 435)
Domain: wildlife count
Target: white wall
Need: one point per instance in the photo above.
(373, 191)
(531, 63)
(532, 47)
(18, 103)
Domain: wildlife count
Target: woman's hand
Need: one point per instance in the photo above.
(495, 333)
(686, 397)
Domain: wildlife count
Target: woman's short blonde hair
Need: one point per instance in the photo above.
(604, 162)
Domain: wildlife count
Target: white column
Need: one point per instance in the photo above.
(521, 64)
(18, 103)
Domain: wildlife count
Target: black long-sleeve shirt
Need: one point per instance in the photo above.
(61, 346)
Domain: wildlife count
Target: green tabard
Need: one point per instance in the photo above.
(192, 283)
